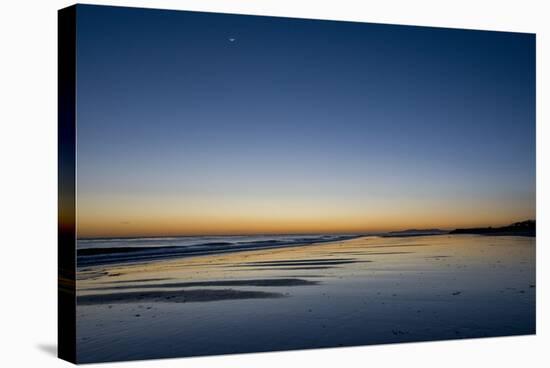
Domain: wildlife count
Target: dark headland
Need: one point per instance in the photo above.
(523, 228)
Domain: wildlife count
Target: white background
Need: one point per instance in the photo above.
(28, 181)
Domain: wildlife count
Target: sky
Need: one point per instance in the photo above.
(199, 123)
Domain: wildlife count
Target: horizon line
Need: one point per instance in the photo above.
(365, 233)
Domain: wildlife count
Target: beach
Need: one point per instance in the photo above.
(353, 291)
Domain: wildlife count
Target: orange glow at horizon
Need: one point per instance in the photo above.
(211, 216)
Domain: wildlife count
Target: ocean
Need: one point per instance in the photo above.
(92, 252)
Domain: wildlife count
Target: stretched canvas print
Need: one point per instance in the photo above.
(233, 183)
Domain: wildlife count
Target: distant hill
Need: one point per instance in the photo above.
(415, 232)
(523, 228)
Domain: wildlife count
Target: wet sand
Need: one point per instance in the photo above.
(362, 291)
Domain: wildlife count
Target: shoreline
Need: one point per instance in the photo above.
(144, 255)
(89, 257)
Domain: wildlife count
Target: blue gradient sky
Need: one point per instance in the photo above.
(298, 125)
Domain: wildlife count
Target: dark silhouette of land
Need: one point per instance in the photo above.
(523, 228)
(415, 232)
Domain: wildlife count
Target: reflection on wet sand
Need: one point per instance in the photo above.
(179, 296)
(253, 282)
(304, 262)
(422, 288)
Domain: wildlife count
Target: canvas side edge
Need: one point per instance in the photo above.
(66, 252)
